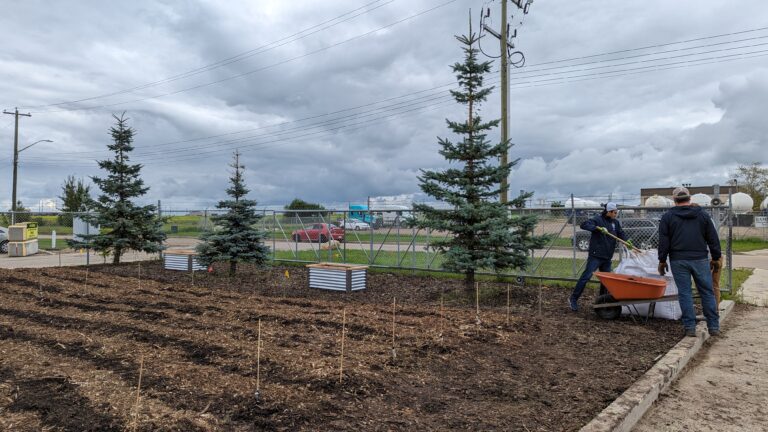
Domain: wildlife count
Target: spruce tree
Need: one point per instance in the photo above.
(484, 235)
(234, 237)
(124, 225)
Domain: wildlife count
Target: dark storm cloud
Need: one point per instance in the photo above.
(591, 136)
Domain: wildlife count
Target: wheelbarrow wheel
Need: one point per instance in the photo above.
(610, 312)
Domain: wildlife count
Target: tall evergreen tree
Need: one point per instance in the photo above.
(235, 237)
(484, 234)
(124, 225)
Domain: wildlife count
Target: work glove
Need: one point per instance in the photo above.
(630, 244)
(715, 265)
(663, 268)
(602, 230)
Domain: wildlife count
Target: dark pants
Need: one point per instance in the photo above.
(593, 264)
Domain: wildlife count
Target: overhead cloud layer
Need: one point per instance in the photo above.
(340, 101)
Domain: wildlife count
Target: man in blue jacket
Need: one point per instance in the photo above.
(685, 233)
(601, 248)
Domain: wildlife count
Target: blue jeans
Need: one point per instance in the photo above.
(683, 271)
(593, 263)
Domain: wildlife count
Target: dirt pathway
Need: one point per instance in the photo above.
(726, 389)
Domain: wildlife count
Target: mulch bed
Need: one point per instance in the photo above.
(72, 353)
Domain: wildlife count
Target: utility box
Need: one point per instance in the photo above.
(22, 248)
(23, 231)
(338, 277)
(184, 260)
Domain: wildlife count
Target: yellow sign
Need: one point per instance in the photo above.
(287, 275)
(22, 231)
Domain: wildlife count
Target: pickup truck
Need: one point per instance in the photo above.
(318, 232)
(644, 234)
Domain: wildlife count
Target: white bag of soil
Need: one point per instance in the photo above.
(646, 264)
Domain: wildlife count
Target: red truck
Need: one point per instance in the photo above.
(318, 232)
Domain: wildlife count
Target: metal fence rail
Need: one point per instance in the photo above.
(390, 239)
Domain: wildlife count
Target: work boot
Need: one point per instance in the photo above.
(573, 303)
(714, 333)
(690, 332)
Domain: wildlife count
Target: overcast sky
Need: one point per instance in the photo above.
(336, 101)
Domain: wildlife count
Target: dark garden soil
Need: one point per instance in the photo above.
(72, 353)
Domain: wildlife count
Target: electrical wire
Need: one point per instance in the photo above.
(261, 145)
(236, 58)
(261, 69)
(516, 77)
(560, 80)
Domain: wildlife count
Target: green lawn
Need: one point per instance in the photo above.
(746, 245)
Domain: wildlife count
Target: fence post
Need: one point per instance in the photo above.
(573, 237)
(274, 234)
(729, 243)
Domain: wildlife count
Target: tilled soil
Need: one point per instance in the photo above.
(76, 343)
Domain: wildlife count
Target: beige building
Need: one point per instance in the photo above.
(666, 192)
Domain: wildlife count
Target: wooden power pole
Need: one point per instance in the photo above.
(15, 152)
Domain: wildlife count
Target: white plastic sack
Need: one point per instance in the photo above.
(646, 264)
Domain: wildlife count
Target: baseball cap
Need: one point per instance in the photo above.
(681, 193)
(611, 207)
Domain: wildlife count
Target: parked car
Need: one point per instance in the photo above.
(644, 233)
(354, 224)
(318, 232)
(3, 240)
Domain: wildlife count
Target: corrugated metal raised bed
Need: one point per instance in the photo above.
(184, 260)
(338, 277)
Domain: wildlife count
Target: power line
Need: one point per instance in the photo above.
(261, 69)
(236, 58)
(518, 85)
(532, 74)
(427, 98)
(525, 84)
(653, 46)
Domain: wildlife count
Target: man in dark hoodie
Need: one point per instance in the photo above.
(601, 248)
(685, 234)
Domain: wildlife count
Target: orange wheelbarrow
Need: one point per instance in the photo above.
(628, 290)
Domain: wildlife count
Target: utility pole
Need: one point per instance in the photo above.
(15, 152)
(504, 45)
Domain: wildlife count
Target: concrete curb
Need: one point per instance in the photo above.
(631, 406)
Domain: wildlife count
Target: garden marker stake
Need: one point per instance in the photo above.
(341, 359)
(394, 304)
(441, 314)
(507, 304)
(258, 361)
(138, 395)
(477, 302)
(139, 274)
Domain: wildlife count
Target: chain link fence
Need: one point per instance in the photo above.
(390, 239)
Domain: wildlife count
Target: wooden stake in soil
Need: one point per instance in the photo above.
(138, 395)
(507, 304)
(477, 302)
(441, 314)
(139, 274)
(394, 305)
(59, 257)
(341, 359)
(86, 277)
(258, 361)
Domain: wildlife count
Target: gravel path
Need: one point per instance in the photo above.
(726, 389)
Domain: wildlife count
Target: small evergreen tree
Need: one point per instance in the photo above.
(234, 237)
(124, 225)
(75, 198)
(485, 235)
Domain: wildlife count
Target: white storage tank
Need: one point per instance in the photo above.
(701, 199)
(764, 204)
(658, 201)
(741, 203)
